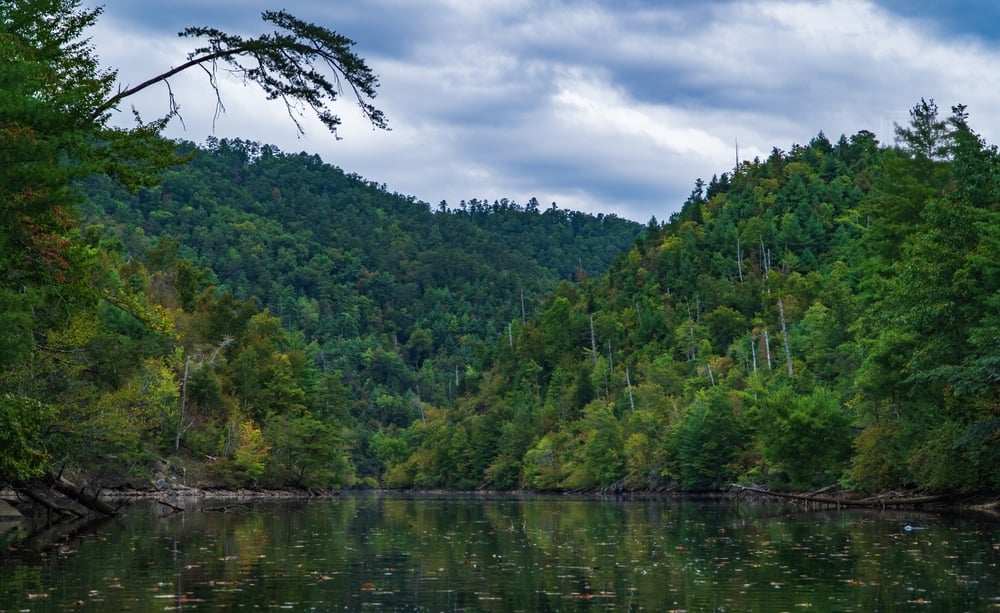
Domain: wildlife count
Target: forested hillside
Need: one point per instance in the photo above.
(383, 306)
(235, 315)
(827, 315)
(232, 315)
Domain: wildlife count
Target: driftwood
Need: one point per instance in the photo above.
(62, 497)
(892, 500)
(80, 495)
(42, 499)
(176, 509)
(228, 508)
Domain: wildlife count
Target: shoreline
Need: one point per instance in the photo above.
(122, 497)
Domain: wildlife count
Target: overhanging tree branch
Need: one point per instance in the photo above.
(300, 63)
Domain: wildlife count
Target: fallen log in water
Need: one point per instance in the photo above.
(892, 500)
(228, 508)
(42, 499)
(58, 495)
(80, 495)
(176, 509)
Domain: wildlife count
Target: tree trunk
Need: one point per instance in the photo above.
(784, 336)
(628, 381)
(739, 259)
(80, 495)
(878, 501)
(183, 409)
(42, 500)
(593, 341)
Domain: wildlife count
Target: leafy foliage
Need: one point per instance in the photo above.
(823, 315)
(827, 314)
(88, 329)
(301, 64)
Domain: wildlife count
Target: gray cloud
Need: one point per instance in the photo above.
(598, 106)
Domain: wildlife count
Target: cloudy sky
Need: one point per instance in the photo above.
(610, 106)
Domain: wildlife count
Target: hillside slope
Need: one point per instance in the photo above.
(386, 301)
(827, 315)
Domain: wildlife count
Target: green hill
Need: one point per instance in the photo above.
(388, 301)
(826, 316)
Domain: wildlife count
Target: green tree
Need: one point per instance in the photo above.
(300, 63)
(603, 453)
(927, 135)
(707, 441)
(251, 453)
(807, 436)
(55, 108)
(307, 452)
(23, 422)
(928, 329)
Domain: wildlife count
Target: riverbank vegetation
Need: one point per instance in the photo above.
(827, 315)
(233, 314)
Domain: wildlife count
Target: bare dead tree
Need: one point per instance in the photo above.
(593, 341)
(784, 337)
(739, 259)
(628, 382)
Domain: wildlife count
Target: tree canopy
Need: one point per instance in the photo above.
(828, 315)
(55, 100)
(822, 317)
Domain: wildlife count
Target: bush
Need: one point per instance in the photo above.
(876, 465)
(808, 437)
(706, 442)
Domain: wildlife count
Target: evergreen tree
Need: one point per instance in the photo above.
(55, 105)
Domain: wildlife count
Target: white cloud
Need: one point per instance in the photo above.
(605, 107)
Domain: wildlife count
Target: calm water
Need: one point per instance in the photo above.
(503, 554)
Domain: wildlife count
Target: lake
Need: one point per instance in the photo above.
(451, 553)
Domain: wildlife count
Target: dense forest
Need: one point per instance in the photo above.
(382, 306)
(232, 314)
(825, 316)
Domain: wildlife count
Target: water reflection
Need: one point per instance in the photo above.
(510, 554)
